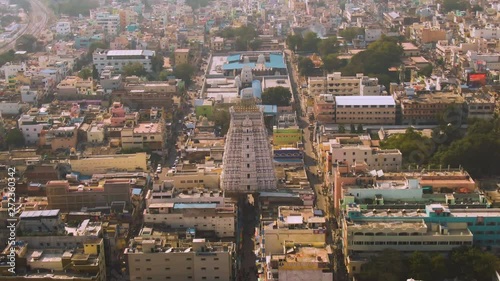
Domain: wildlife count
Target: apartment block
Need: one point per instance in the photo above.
(358, 150)
(119, 58)
(188, 176)
(61, 195)
(41, 222)
(426, 107)
(297, 224)
(435, 228)
(363, 239)
(487, 32)
(109, 22)
(54, 261)
(181, 56)
(365, 110)
(479, 104)
(339, 85)
(155, 257)
(144, 136)
(324, 108)
(218, 218)
(64, 137)
(299, 262)
(31, 127)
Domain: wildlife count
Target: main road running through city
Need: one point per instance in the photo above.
(39, 17)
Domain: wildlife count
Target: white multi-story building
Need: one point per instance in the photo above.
(487, 32)
(201, 216)
(27, 95)
(30, 128)
(110, 22)
(63, 28)
(10, 107)
(157, 257)
(120, 58)
(339, 85)
(358, 151)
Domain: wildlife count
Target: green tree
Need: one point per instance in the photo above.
(85, 73)
(157, 63)
(331, 63)
(255, 44)
(311, 42)
(14, 138)
(389, 265)
(306, 66)
(351, 32)
(477, 151)
(471, 263)
(164, 74)
(416, 148)
(75, 7)
(184, 72)
(294, 42)
(196, 4)
(328, 46)
(135, 68)
(453, 5)
(222, 119)
(279, 96)
(376, 60)
(26, 42)
(95, 73)
(360, 129)
(353, 129)
(341, 129)
(426, 70)
(438, 267)
(419, 265)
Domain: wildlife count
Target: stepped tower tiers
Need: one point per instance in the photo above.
(247, 162)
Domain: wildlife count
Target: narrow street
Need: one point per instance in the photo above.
(248, 270)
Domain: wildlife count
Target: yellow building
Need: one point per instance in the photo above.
(181, 56)
(294, 224)
(161, 256)
(100, 164)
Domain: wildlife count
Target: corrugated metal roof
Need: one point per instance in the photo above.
(365, 100)
(130, 53)
(38, 214)
(195, 205)
(276, 61)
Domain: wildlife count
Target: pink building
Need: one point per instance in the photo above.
(117, 114)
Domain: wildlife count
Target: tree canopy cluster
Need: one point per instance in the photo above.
(195, 4)
(74, 7)
(376, 59)
(26, 42)
(454, 5)
(466, 263)
(10, 56)
(279, 96)
(311, 43)
(184, 72)
(351, 33)
(477, 151)
(246, 37)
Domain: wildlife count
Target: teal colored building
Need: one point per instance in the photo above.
(483, 223)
